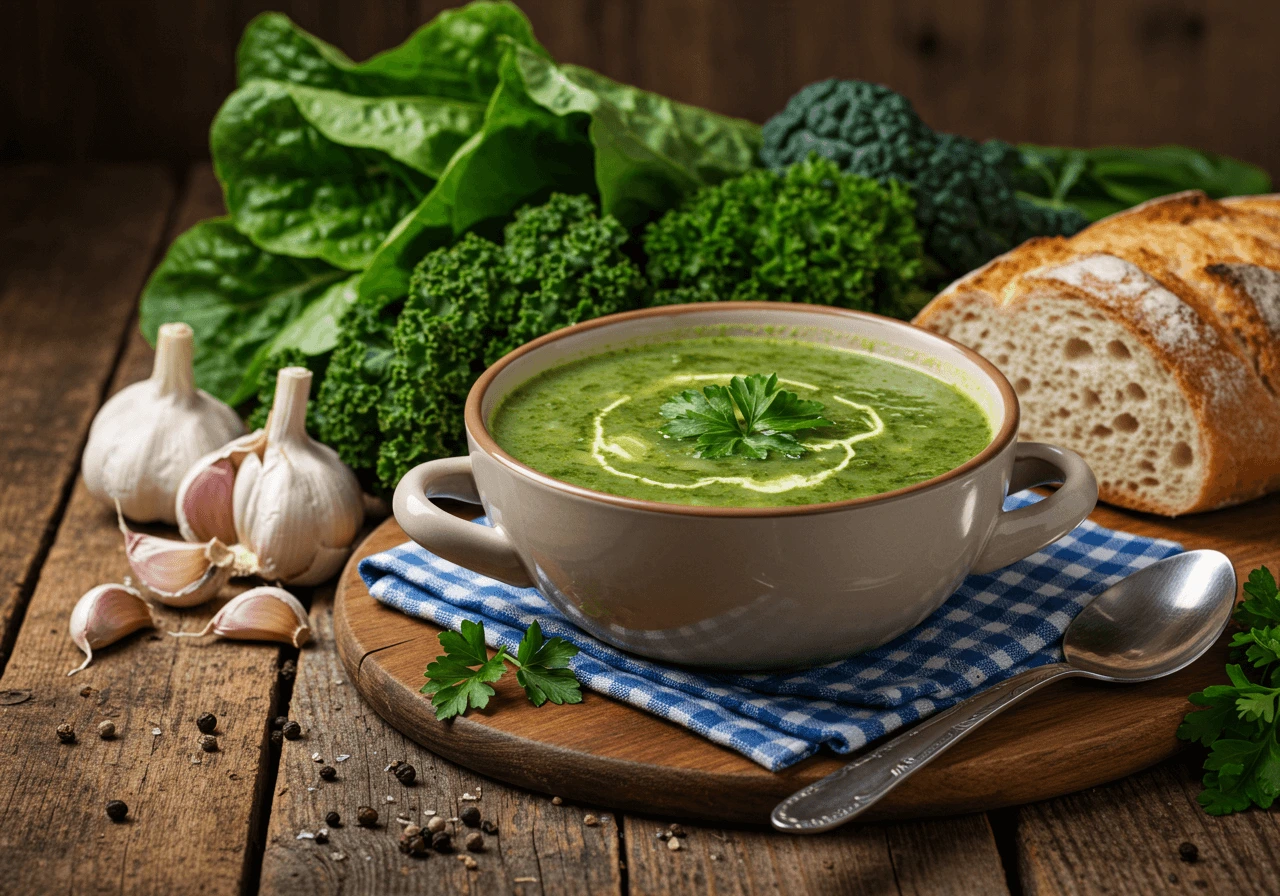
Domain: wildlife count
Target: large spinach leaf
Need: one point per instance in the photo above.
(235, 296)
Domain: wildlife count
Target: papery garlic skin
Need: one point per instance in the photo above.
(146, 436)
(292, 502)
(104, 615)
(265, 613)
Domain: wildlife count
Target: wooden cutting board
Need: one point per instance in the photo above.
(602, 752)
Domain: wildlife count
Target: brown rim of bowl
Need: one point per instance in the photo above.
(479, 430)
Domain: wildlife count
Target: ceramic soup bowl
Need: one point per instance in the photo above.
(746, 588)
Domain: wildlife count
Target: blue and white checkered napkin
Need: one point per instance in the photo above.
(993, 626)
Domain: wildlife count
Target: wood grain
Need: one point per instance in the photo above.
(539, 847)
(143, 78)
(1072, 736)
(76, 245)
(192, 814)
(951, 856)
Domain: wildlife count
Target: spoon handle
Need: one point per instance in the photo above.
(847, 792)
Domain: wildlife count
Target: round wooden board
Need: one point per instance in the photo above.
(1068, 737)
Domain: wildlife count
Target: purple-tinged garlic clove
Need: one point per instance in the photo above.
(104, 615)
(204, 506)
(178, 573)
(265, 613)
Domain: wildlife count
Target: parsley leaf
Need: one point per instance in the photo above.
(1238, 722)
(750, 417)
(464, 673)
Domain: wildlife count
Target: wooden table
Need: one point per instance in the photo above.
(76, 245)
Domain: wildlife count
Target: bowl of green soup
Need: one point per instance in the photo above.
(743, 485)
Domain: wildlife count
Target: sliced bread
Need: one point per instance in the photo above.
(1149, 342)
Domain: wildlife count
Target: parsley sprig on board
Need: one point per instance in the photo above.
(465, 672)
(1238, 721)
(750, 417)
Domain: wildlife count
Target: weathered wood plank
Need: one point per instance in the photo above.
(539, 847)
(76, 244)
(951, 856)
(192, 813)
(1125, 838)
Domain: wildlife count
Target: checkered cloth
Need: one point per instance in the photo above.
(992, 627)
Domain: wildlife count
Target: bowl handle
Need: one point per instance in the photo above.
(1019, 533)
(484, 549)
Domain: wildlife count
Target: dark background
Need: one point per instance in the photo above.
(141, 79)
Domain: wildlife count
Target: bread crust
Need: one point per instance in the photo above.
(1198, 283)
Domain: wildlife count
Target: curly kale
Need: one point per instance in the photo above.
(966, 203)
(266, 392)
(806, 234)
(399, 376)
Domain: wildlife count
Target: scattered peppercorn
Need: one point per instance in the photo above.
(489, 827)
(276, 738)
(674, 844)
(322, 836)
(474, 842)
(86, 691)
(664, 835)
(676, 831)
(436, 824)
(415, 845)
(288, 669)
(556, 801)
(1189, 852)
(279, 721)
(470, 816)
(590, 820)
(333, 820)
(207, 722)
(469, 863)
(208, 743)
(66, 733)
(405, 773)
(106, 729)
(366, 816)
(291, 730)
(442, 841)
(117, 810)
(328, 772)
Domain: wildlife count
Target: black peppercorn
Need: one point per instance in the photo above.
(117, 810)
(291, 730)
(276, 738)
(207, 722)
(66, 733)
(405, 773)
(489, 827)
(470, 816)
(333, 820)
(322, 836)
(474, 842)
(1188, 852)
(208, 743)
(366, 816)
(442, 841)
(279, 721)
(328, 772)
(415, 845)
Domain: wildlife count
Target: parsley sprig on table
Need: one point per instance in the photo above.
(1238, 722)
(465, 672)
(750, 417)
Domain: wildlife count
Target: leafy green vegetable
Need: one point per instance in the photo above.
(465, 673)
(965, 204)
(1108, 179)
(565, 129)
(235, 296)
(266, 390)
(1238, 722)
(805, 234)
(749, 418)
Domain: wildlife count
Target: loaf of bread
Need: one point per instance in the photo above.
(1149, 343)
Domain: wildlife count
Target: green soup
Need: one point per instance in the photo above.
(595, 422)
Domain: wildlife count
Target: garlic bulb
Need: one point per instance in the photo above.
(284, 497)
(179, 573)
(104, 615)
(259, 614)
(147, 435)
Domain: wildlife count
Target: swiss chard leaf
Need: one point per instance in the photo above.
(236, 296)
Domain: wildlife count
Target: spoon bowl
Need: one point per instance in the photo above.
(1148, 625)
(1154, 622)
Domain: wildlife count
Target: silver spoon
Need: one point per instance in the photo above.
(1151, 624)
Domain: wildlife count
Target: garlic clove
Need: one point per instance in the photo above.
(204, 503)
(265, 613)
(147, 435)
(104, 615)
(178, 573)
